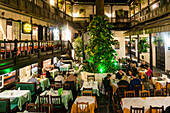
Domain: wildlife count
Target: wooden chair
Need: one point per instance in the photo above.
(156, 75)
(31, 107)
(137, 88)
(57, 102)
(159, 93)
(121, 89)
(90, 77)
(167, 88)
(67, 86)
(116, 110)
(87, 93)
(83, 107)
(5, 106)
(43, 100)
(136, 110)
(129, 94)
(144, 93)
(47, 108)
(56, 85)
(158, 109)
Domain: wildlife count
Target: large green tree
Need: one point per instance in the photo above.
(100, 50)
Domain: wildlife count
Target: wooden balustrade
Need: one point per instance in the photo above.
(10, 49)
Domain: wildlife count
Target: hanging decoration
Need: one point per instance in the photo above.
(121, 12)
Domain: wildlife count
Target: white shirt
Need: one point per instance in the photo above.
(59, 63)
(59, 78)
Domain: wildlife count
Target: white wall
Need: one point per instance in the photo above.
(118, 35)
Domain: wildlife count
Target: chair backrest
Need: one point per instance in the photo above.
(129, 94)
(67, 86)
(27, 86)
(5, 106)
(56, 85)
(167, 88)
(144, 93)
(136, 110)
(159, 93)
(47, 108)
(87, 93)
(31, 107)
(156, 75)
(90, 77)
(137, 88)
(56, 101)
(83, 107)
(158, 109)
(121, 90)
(43, 99)
(114, 104)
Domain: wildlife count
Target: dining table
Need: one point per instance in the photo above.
(66, 96)
(17, 97)
(44, 83)
(91, 101)
(91, 84)
(142, 72)
(53, 72)
(160, 82)
(65, 67)
(145, 102)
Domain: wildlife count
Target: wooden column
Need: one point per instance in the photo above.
(111, 13)
(57, 4)
(130, 46)
(138, 49)
(150, 43)
(100, 7)
(83, 44)
(93, 10)
(72, 9)
(65, 6)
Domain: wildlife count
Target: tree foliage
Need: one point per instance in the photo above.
(100, 50)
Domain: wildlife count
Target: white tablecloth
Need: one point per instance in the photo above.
(163, 83)
(53, 72)
(65, 67)
(146, 102)
(93, 85)
(88, 99)
(12, 94)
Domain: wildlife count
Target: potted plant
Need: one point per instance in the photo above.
(100, 51)
(158, 40)
(121, 12)
(78, 47)
(143, 45)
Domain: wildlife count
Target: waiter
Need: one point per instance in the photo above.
(60, 63)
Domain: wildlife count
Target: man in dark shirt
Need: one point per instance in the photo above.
(119, 74)
(144, 65)
(135, 81)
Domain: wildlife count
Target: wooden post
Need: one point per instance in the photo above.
(83, 45)
(111, 13)
(138, 49)
(150, 43)
(100, 7)
(130, 46)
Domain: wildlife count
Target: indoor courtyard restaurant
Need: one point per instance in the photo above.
(84, 56)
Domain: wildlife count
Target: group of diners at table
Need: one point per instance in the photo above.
(58, 93)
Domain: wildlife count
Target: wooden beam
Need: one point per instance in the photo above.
(130, 46)
(150, 43)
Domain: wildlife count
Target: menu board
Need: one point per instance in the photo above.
(25, 71)
(60, 91)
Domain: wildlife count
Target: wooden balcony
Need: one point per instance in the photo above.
(19, 53)
(46, 11)
(147, 14)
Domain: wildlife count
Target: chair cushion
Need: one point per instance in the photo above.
(13, 106)
(32, 93)
(3, 106)
(57, 107)
(26, 87)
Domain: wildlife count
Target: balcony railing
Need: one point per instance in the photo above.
(111, 20)
(146, 14)
(44, 11)
(11, 49)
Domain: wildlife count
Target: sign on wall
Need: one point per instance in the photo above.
(26, 28)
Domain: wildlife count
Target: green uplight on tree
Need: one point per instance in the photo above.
(101, 70)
